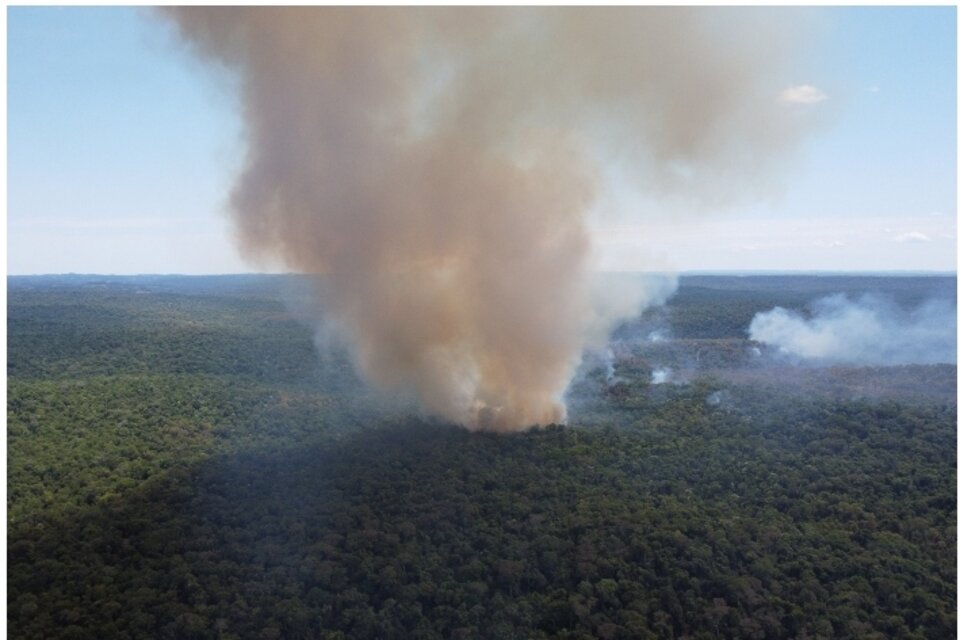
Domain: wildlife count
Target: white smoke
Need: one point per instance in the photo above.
(661, 376)
(717, 398)
(616, 297)
(869, 330)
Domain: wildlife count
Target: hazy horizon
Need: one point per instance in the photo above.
(691, 272)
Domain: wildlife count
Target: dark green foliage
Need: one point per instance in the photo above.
(90, 331)
(258, 493)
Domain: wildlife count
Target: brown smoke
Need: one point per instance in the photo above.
(436, 167)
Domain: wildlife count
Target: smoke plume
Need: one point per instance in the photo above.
(870, 330)
(436, 167)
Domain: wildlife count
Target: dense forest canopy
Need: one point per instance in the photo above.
(184, 463)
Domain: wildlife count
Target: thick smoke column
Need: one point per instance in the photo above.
(870, 330)
(435, 167)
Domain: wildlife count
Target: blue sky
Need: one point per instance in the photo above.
(122, 147)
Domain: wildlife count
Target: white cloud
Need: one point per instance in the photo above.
(786, 243)
(801, 94)
(912, 236)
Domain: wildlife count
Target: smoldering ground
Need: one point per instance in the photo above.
(437, 168)
(889, 339)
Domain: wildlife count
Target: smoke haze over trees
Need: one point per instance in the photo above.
(868, 330)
